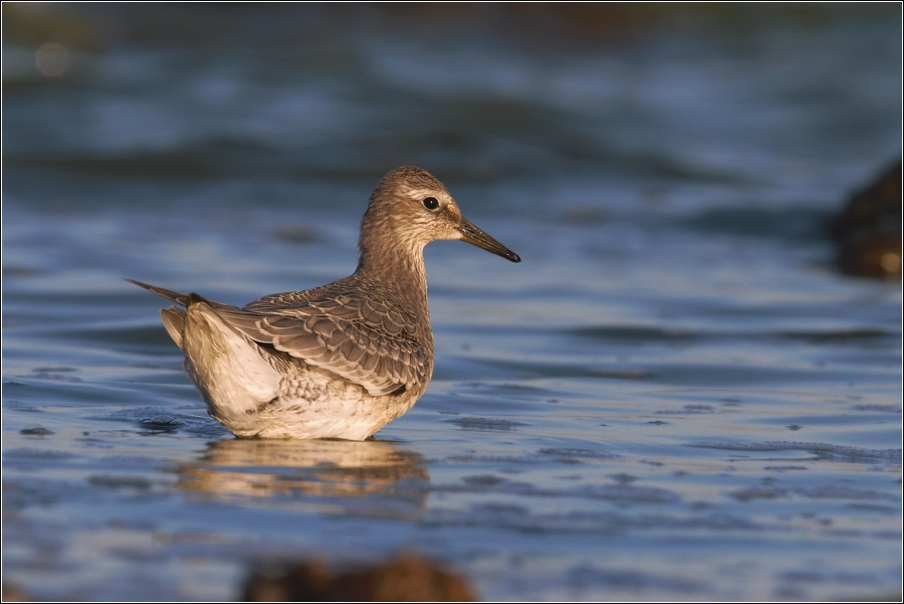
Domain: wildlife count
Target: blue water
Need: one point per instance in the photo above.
(675, 396)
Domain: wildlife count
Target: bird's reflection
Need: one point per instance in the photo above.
(358, 477)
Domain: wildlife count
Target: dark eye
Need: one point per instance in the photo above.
(430, 203)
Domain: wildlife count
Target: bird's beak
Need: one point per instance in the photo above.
(475, 236)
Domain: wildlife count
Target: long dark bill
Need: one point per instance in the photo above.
(475, 236)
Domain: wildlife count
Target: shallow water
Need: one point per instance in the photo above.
(673, 396)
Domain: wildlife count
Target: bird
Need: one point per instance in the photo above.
(337, 361)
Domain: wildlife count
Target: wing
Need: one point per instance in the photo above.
(376, 345)
(373, 344)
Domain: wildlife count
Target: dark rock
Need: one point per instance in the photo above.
(35, 430)
(868, 232)
(408, 578)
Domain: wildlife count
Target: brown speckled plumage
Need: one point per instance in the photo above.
(341, 360)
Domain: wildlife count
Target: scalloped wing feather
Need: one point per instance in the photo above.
(370, 345)
(368, 342)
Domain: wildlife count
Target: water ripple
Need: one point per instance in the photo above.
(823, 450)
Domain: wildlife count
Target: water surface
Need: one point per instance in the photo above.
(674, 395)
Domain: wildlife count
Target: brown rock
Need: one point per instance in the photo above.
(12, 593)
(408, 578)
(868, 232)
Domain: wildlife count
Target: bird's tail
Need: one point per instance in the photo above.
(174, 322)
(181, 299)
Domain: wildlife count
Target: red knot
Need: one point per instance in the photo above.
(337, 361)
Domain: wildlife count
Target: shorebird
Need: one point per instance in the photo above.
(337, 361)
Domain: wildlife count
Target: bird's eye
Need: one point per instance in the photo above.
(430, 203)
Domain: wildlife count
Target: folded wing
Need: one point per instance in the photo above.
(369, 343)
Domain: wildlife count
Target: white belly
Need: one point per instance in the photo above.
(256, 393)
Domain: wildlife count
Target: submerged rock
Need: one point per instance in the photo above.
(868, 232)
(408, 578)
(35, 430)
(12, 593)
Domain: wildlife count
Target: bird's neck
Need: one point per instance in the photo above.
(397, 266)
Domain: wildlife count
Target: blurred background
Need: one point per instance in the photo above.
(669, 173)
(678, 108)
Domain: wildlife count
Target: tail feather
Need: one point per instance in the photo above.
(169, 294)
(174, 322)
(236, 375)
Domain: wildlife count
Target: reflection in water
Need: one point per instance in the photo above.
(352, 477)
(52, 59)
(678, 317)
